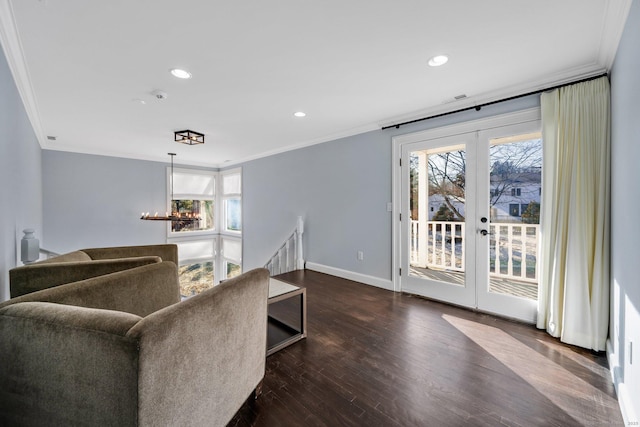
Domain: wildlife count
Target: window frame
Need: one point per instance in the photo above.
(180, 234)
(219, 232)
(214, 240)
(224, 197)
(223, 260)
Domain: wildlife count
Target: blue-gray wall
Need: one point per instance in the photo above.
(95, 201)
(624, 327)
(20, 176)
(341, 188)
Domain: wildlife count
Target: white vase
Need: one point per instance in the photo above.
(30, 247)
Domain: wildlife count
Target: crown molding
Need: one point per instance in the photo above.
(296, 146)
(558, 79)
(13, 51)
(616, 13)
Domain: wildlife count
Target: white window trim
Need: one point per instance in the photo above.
(222, 216)
(181, 234)
(197, 239)
(221, 259)
(218, 233)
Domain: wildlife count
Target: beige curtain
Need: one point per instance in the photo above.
(573, 300)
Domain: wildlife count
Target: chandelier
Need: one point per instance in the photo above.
(175, 215)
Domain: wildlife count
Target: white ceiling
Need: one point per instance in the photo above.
(351, 65)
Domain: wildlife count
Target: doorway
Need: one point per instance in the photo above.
(468, 228)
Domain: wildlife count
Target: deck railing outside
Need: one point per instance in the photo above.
(513, 248)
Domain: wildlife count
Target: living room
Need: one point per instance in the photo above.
(341, 187)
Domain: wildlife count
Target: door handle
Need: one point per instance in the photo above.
(484, 232)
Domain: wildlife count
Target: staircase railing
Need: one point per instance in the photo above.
(289, 257)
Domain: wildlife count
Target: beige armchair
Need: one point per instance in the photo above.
(84, 264)
(121, 350)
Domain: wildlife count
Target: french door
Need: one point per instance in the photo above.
(469, 200)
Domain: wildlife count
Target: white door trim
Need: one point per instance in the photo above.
(398, 143)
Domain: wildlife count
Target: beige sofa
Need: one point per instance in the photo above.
(84, 264)
(122, 350)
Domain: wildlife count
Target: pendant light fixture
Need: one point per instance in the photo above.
(175, 216)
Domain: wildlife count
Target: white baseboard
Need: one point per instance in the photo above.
(350, 275)
(624, 400)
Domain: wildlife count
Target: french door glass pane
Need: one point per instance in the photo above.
(437, 204)
(515, 179)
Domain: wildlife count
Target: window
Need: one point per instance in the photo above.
(231, 257)
(514, 209)
(516, 192)
(210, 248)
(193, 196)
(232, 201)
(196, 269)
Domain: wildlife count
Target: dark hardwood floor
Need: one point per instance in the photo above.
(376, 358)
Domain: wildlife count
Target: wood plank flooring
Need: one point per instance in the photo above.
(377, 358)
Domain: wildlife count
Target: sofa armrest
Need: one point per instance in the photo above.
(140, 291)
(212, 344)
(69, 316)
(168, 252)
(65, 365)
(31, 278)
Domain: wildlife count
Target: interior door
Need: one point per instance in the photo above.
(469, 229)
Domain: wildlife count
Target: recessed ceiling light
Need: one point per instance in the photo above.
(181, 74)
(438, 60)
(299, 114)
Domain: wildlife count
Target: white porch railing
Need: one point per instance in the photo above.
(513, 248)
(289, 257)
